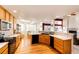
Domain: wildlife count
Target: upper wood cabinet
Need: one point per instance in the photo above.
(7, 16)
(14, 22)
(11, 18)
(2, 13)
(4, 48)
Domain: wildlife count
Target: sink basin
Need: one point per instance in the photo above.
(47, 33)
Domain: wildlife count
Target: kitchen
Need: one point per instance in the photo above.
(39, 25)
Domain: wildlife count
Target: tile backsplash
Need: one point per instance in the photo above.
(6, 33)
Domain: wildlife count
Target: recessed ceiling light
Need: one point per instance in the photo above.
(14, 11)
(68, 15)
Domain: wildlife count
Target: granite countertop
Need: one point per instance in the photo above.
(34, 33)
(3, 44)
(14, 35)
(63, 37)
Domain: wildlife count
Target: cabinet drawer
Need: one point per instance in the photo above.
(3, 48)
(59, 48)
(59, 41)
(45, 40)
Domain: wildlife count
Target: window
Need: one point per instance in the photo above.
(58, 25)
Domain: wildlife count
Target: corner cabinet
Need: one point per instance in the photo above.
(63, 46)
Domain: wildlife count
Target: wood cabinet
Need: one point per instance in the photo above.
(63, 46)
(14, 24)
(2, 13)
(12, 46)
(4, 49)
(17, 41)
(45, 39)
(7, 16)
(11, 18)
(14, 43)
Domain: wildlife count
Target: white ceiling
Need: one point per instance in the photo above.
(40, 11)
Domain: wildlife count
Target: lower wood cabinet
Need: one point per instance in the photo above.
(45, 39)
(63, 46)
(17, 41)
(5, 52)
(4, 49)
(13, 44)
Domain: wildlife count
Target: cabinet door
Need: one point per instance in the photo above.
(58, 41)
(17, 41)
(11, 18)
(67, 46)
(7, 16)
(14, 23)
(63, 46)
(2, 13)
(45, 39)
(59, 45)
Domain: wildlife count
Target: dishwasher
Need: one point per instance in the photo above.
(11, 44)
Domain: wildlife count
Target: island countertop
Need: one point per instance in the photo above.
(2, 44)
(63, 36)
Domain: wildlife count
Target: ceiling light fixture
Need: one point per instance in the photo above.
(14, 11)
(68, 15)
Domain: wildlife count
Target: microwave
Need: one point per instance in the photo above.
(4, 25)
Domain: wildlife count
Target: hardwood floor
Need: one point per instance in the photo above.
(25, 47)
(41, 49)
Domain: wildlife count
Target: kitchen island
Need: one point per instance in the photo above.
(62, 42)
